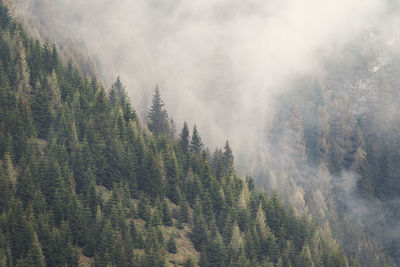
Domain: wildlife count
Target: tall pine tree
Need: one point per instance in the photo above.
(158, 124)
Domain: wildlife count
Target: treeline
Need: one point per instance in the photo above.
(83, 182)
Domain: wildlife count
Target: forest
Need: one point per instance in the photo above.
(85, 182)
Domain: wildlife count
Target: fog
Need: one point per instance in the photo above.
(218, 63)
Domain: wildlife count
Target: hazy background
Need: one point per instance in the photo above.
(218, 63)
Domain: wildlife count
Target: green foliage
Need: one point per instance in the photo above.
(196, 144)
(159, 124)
(166, 213)
(171, 246)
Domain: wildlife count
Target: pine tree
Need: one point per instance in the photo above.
(199, 234)
(158, 116)
(196, 145)
(171, 245)
(100, 113)
(167, 217)
(154, 251)
(136, 236)
(184, 145)
(236, 242)
(215, 252)
(171, 173)
(305, 258)
(144, 209)
(117, 94)
(172, 130)
(228, 158)
(35, 256)
(184, 139)
(183, 213)
(25, 187)
(6, 188)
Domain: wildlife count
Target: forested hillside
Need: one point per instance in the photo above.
(338, 142)
(84, 182)
(318, 116)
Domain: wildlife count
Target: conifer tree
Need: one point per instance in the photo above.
(236, 242)
(183, 213)
(228, 158)
(35, 256)
(158, 116)
(184, 139)
(172, 130)
(199, 231)
(167, 217)
(184, 145)
(6, 186)
(136, 236)
(25, 187)
(171, 245)
(171, 172)
(305, 258)
(117, 94)
(215, 252)
(196, 145)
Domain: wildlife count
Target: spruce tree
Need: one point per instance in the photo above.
(199, 234)
(228, 158)
(158, 124)
(196, 145)
(41, 111)
(171, 172)
(184, 139)
(171, 245)
(167, 217)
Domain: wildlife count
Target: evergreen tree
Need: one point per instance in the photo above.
(196, 145)
(184, 139)
(167, 217)
(35, 256)
(228, 158)
(25, 187)
(199, 234)
(183, 215)
(41, 111)
(305, 258)
(215, 252)
(158, 116)
(171, 245)
(171, 173)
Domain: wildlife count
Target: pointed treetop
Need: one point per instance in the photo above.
(196, 145)
(228, 157)
(118, 93)
(184, 139)
(159, 123)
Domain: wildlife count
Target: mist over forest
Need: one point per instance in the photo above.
(224, 57)
(306, 92)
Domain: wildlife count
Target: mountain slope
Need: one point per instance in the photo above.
(83, 182)
(337, 137)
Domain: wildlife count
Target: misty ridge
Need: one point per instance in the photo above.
(224, 57)
(306, 92)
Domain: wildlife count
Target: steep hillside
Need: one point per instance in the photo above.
(84, 182)
(334, 148)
